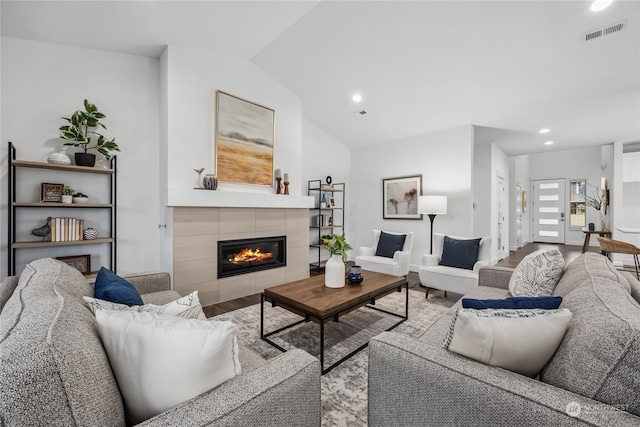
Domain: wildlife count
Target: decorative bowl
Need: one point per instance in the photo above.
(59, 159)
(80, 200)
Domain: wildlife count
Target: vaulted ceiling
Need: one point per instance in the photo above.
(509, 68)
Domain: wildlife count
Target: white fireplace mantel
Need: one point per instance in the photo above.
(233, 199)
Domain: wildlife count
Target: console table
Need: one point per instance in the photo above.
(587, 237)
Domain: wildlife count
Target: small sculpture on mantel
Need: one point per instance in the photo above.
(199, 171)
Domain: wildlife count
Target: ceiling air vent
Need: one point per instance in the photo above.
(604, 31)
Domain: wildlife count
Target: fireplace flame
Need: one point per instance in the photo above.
(249, 255)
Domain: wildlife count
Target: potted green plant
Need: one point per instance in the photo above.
(334, 272)
(81, 131)
(67, 194)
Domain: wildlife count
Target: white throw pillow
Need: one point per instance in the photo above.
(160, 362)
(522, 341)
(537, 274)
(188, 307)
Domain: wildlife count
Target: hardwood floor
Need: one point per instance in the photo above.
(569, 252)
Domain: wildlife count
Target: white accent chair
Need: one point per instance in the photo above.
(459, 280)
(397, 266)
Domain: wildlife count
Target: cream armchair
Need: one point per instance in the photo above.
(396, 262)
(446, 278)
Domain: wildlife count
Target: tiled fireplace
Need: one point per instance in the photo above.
(198, 230)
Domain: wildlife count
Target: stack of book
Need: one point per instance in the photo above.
(66, 229)
(323, 220)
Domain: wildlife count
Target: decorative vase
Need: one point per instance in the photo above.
(355, 275)
(334, 272)
(85, 159)
(59, 159)
(67, 199)
(210, 182)
(603, 221)
(90, 233)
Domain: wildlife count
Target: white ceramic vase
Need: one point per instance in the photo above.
(67, 199)
(334, 276)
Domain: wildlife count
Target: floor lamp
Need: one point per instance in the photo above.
(432, 206)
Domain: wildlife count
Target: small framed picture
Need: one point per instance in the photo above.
(82, 263)
(51, 192)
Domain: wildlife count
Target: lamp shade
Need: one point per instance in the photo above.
(432, 205)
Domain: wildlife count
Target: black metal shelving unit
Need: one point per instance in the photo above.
(335, 192)
(14, 205)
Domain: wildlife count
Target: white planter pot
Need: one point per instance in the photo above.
(334, 272)
(67, 199)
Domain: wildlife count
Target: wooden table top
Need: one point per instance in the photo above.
(312, 296)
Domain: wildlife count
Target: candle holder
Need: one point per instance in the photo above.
(286, 188)
(279, 185)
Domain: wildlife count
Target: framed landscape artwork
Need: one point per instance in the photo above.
(400, 197)
(244, 141)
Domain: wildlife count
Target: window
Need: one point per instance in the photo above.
(578, 203)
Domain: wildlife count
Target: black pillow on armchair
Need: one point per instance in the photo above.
(460, 253)
(388, 244)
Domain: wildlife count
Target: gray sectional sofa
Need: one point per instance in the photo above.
(55, 372)
(592, 379)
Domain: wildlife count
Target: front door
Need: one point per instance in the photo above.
(548, 210)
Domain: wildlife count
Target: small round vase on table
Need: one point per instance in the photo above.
(355, 275)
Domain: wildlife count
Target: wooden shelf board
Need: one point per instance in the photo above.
(18, 245)
(53, 166)
(327, 189)
(60, 205)
(321, 264)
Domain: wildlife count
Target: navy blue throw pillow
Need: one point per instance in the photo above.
(388, 244)
(544, 302)
(111, 287)
(460, 253)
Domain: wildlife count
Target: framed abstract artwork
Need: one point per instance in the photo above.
(400, 197)
(245, 134)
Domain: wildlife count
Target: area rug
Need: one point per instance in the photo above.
(344, 389)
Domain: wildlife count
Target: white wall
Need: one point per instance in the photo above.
(491, 162)
(42, 82)
(626, 200)
(192, 81)
(445, 161)
(583, 163)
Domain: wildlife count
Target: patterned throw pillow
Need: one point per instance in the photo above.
(521, 341)
(187, 307)
(537, 274)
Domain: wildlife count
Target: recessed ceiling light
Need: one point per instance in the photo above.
(357, 97)
(599, 5)
(548, 143)
(545, 130)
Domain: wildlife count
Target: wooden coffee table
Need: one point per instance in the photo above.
(315, 302)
